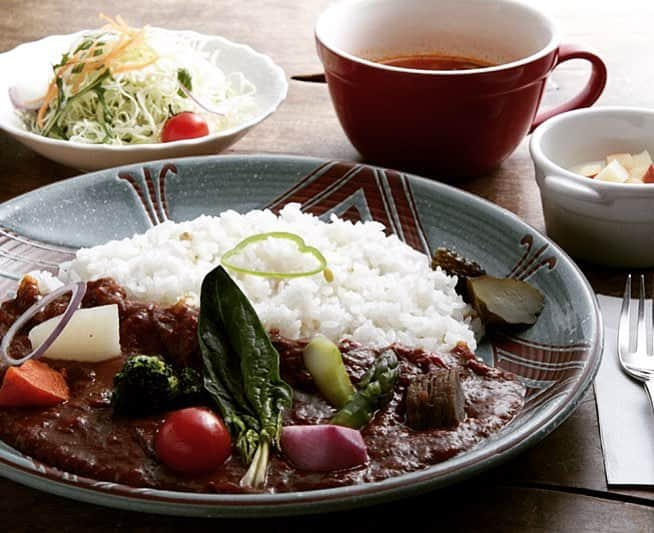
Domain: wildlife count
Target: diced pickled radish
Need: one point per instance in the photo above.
(92, 335)
(649, 175)
(590, 170)
(613, 172)
(643, 159)
(620, 168)
(637, 173)
(625, 160)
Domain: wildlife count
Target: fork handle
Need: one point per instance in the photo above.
(649, 387)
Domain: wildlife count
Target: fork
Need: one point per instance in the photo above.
(636, 340)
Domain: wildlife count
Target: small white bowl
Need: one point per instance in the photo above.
(601, 222)
(269, 79)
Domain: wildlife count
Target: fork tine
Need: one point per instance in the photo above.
(641, 341)
(624, 329)
(635, 357)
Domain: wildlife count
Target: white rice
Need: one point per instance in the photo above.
(382, 291)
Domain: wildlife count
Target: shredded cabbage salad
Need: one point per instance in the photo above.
(119, 86)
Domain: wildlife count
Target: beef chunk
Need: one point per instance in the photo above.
(435, 400)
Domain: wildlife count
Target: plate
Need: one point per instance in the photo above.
(557, 358)
(269, 79)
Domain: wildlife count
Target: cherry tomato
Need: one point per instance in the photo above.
(185, 125)
(193, 441)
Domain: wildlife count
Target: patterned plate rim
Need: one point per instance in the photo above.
(508, 444)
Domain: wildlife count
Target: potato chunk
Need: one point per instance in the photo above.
(91, 336)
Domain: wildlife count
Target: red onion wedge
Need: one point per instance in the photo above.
(77, 291)
(323, 447)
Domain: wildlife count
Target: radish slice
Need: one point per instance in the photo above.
(77, 291)
(323, 447)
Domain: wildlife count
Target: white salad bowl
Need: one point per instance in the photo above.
(601, 222)
(268, 78)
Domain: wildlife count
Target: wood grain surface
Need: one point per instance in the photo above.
(559, 484)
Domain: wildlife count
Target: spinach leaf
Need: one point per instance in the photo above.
(241, 372)
(222, 374)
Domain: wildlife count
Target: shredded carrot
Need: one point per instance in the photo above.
(52, 92)
(111, 59)
(133, 66)
(118, 49)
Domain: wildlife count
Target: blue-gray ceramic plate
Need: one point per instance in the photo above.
(557, 358)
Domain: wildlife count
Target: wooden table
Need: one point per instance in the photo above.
(558, 485)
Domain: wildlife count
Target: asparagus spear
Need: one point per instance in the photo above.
(375, 391)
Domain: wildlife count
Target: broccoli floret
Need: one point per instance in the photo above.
(190, 390)
(145, 385)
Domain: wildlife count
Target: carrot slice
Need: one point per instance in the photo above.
(33, 384)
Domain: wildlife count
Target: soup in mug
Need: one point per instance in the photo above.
(435, 62)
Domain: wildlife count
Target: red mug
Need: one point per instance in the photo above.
(452, 122)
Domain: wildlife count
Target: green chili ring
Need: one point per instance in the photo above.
(301, 246)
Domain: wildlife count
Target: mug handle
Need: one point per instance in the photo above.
(589, 94)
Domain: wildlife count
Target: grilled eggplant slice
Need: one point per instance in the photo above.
(503, 302)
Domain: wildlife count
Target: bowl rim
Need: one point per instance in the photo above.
(539, 158)
(276, 70)
(551, 45)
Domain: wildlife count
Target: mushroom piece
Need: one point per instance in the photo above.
(435, 400)
(457, 265)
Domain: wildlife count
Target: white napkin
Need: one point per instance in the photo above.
(626, 418)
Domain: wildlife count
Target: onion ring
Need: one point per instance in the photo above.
(77, 289)
(201, 104)
(21, 104)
